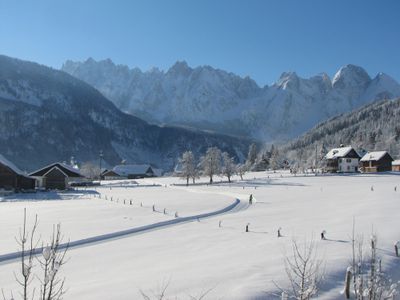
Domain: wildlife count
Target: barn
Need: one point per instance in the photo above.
(12, 178)
(376, 161)
(56, 176)
(129, 172)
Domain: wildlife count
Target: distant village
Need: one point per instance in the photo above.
(61, 176)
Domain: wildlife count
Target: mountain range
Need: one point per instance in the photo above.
(213, 99)
(47, 115)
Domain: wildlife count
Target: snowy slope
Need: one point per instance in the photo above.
(210, 98)
(199, 256)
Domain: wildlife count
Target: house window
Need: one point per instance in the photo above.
(348, 160)
(348, 168)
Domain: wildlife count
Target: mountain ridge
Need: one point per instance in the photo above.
(209, 98)
(47, 115)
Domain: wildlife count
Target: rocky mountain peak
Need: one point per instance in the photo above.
(288, 80)
(350, 76)
(179, 68)
(213, 99)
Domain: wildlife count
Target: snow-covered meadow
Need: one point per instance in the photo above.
(198, 256)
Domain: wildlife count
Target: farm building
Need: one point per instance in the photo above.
(12, 178)
(376, 161)
(396, 165)
(110, 175)
(129, 172)
(342, 160)
(57, 176)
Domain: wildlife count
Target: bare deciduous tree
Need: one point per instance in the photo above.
(303, 270)
(161, 294)
(90, 170)
(229, 167)
(28, 244)
(51, 287)
(211, 162)
(369, 280)
(188, 166)
(241, 170)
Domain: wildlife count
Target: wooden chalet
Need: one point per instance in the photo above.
(376, 161)
(110, 175)
(12, 178)
(57, 176)
(129, 172)
(396, 165)
(341, 160)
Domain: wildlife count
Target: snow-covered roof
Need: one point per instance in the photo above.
(9, 164)
(396, 162)
(374, 155)
(51, 170)
(125, 170)
(338, 152)
(73, 171)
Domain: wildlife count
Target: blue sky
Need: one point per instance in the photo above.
(260, 39)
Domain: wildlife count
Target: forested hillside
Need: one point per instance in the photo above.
(373, 127)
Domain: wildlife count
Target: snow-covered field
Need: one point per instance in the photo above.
(197, 256)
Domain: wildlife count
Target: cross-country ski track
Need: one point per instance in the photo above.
(236, 206)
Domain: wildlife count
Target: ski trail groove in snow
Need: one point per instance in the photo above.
(109, 236)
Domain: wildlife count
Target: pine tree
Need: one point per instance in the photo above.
(252, 155)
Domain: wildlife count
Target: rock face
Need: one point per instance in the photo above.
(47, 115)
(209, 98)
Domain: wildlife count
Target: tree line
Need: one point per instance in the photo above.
(218, 163)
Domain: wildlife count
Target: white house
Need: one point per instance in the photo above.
(342, 160)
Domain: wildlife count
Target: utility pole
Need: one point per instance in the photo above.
(100, 158)
(315, 164)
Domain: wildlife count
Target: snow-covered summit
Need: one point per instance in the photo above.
(213, 99)
(350, 76)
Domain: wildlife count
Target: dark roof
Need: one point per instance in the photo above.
(55, 170)
(5, 162)
(110, 173)
(68, 170)
(126, 170)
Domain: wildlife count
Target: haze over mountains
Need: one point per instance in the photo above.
(212, 99)
(46, 115)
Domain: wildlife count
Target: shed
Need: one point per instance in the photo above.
(110, 175)
(12, 178)
(396, 165)
(57, 176)
(376, 161)
(55, 179)
(130, 172)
